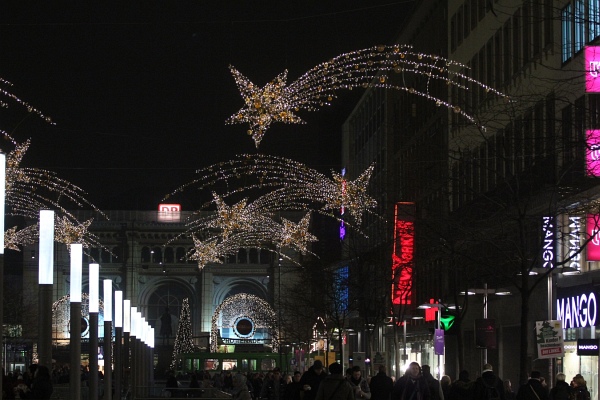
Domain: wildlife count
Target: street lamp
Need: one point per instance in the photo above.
(439, 307)
(486, 291)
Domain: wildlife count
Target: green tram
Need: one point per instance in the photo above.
(239, 361)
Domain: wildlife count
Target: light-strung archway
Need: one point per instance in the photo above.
(246, 310)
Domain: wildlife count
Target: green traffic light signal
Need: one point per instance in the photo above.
(446, 321)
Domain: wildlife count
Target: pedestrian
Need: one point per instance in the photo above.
(411, 386)
(172, 384)
(381, 385)
(533, 389)
(580, 388)
(41, 386)
(435, 389)
(335, 386)
(311, 380)
(359, 384)
(274, 388)
(446, 383)
(294, 388)
(488, 385)
(460, 388)
(240, 388)
(509, 393)
(561, 390)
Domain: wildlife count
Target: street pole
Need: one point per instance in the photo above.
(485, 315)
(75, 324)
(94, 309)
(118, 341)
(46, 280)
(108, 339)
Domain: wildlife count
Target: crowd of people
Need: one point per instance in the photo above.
(416, 384)
(34, 383)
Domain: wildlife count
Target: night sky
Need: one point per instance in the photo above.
(140, 91)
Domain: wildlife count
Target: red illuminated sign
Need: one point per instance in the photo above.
(169, 207)
(592, 69)
(403, 254)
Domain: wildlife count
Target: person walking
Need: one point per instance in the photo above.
(240, 388)
(435, 389)
(561, 390)
(580, 388)
(488, 385)
(509, 393)
(311, 380)
(274, 388)
(460, 388)
(411, 386)
(359, 384)
(294, 388)
(381, 385)
(335, 386)
(533, 389)
(41, 386)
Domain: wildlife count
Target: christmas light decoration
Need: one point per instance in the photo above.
(183, 339)
(244, 306)
(277, 101)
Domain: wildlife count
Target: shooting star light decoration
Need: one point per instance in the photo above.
(372, 67)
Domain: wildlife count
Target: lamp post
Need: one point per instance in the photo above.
(118, 340)
(486, 291)
(439, 307)
(2, 211)
(75, 321)
(108, 339)
(94, 308)
(46, 274)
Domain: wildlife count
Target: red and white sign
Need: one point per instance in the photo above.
(169, 207)
(592, 152)
(169, 212)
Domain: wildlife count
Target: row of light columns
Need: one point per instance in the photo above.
(127, 320)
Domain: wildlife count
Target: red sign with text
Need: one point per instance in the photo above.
(403, 254)
(593, 230)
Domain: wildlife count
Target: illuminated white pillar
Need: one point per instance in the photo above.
(118, 341)
(108, 339)
(2, 211)
(133, 364)
(94, 308)
(126, 344)
(45, 280)
(75, 321)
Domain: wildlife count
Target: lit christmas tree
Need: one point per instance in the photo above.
(183, 339)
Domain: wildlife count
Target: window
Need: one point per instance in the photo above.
(467, 18)
(580, 23)
(498, 62)
(567, 135)
(516, 47)
(538, 121)
(548, 23)
(526, 25)
(506, 53)
(566, 17)
(536, 11)
(594, 19)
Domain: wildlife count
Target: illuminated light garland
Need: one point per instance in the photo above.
(277, 101)
(244, 305)
(184, 342)
(294, 186)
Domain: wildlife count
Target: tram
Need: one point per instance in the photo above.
(240, 361)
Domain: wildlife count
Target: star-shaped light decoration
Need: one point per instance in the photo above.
(69, 232)
(352, 195)
(296, 235)
(371, 67)
(263, 105)
(205, 252)
(14, 237)
(231, 218)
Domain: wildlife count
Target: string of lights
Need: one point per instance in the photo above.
(278, 102)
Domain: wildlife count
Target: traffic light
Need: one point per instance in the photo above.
(447, 320)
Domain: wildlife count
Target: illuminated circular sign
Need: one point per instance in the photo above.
(243, 327)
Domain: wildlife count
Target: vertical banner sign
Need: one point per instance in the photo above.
(573, 243)
(548, 248)
(438, 343)
(592, 152)
(549, 339)
(593, 231)
(592, 70)
(403, 255)
(485, 333)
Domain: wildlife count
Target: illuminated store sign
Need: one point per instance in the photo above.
(403, 254)
(592, 73)
(577, 311)
(574, 243)
(588, 347)
(548, 249)
(169, 212)
(592, 152)
(593, 231)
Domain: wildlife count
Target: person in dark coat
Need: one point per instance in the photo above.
(460, 388)
(311, 380)
(335, 386)
(435, 388)
(294, 388)
(561, 390)
(580, 388)
(486, 383)
(381, 385)
(533, 389)
(273, 388)
(41, 386)
(411, 386)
